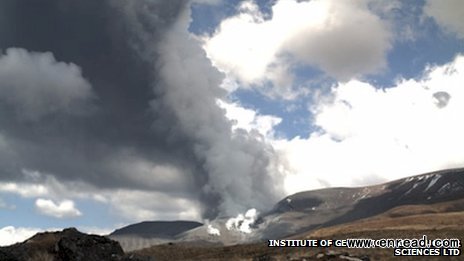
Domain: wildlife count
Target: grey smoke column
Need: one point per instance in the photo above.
(152, 99)
(239, 165)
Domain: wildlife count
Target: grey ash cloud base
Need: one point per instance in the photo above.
(109, 102)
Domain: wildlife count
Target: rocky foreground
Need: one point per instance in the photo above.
(66, 245)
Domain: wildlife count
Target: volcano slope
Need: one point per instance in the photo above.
(310, 210)
(440, 220)
(430, 204)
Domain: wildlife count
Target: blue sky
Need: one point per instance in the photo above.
(340, 94)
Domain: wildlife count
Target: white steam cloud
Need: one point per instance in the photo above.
(243, 222)
(212, 230)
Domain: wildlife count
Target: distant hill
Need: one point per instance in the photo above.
(430, 204)
(307, 211)
(414, 224)
(161, 229)
(310, 210)
(148, 233)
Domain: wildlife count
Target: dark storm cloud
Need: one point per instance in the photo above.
(92, 35)
(153, 122)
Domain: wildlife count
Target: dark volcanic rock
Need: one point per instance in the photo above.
(264, 257)
(333, 255)
(75, 245)
(5, 256)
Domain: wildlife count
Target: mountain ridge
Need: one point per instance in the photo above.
(308, 210)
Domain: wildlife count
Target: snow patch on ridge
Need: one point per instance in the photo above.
(433, 181)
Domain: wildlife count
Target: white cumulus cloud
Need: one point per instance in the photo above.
(64, 209)
(10, 235)
(24, 189)
(344, 39)
(368, 135)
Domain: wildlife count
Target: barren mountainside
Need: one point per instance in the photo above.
(311, 210)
